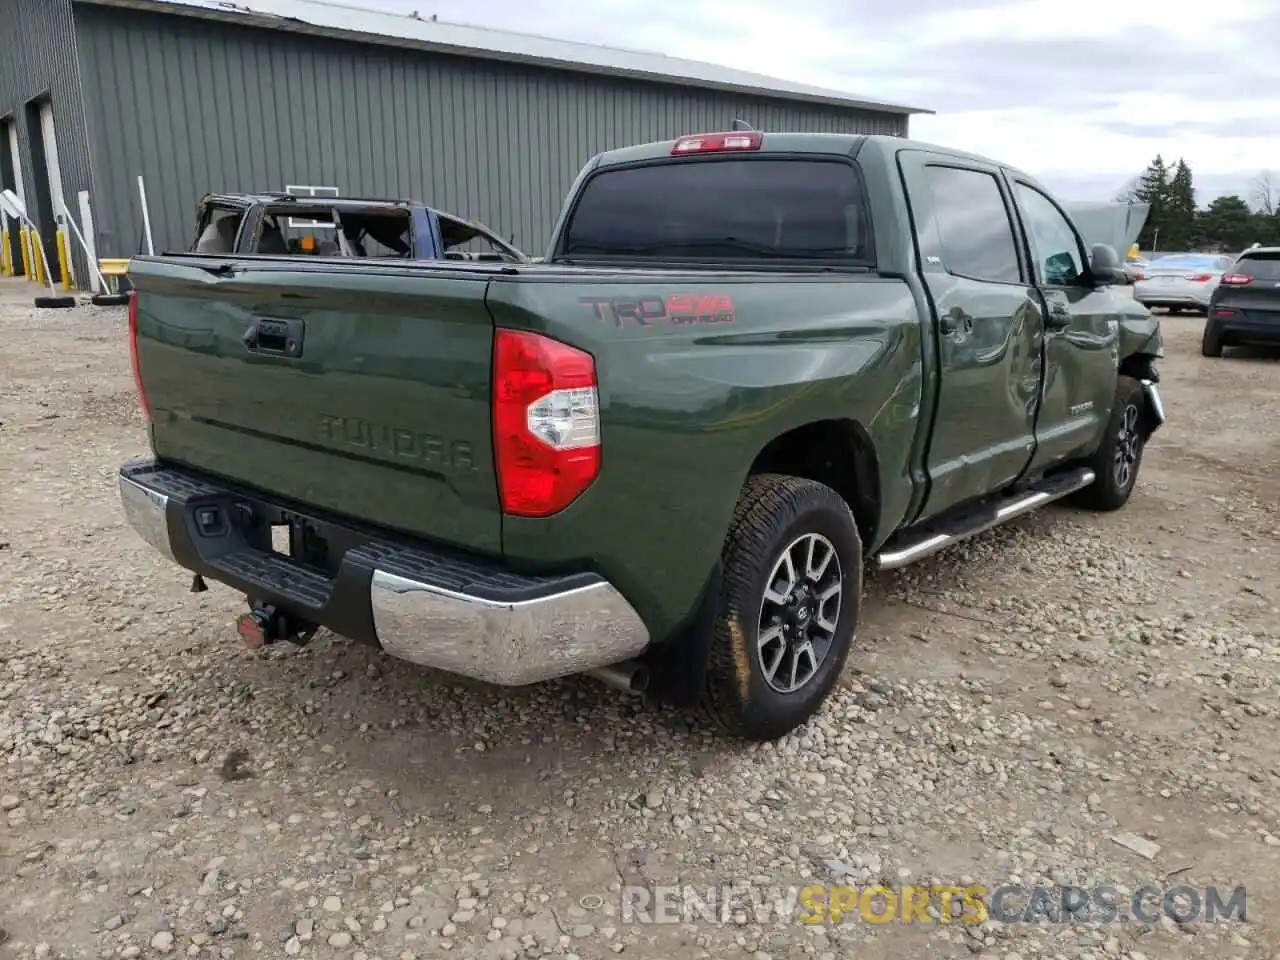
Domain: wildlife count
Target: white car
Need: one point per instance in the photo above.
(1181, 281)
(1133, 270)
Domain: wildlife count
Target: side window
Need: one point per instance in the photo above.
(1054, 244)
(218, 229)
(308, 190)
(977, 235)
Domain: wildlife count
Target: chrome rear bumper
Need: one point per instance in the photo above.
(419, 602)
(508, 643)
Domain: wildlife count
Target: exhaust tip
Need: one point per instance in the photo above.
(629, 677)
(640, 679)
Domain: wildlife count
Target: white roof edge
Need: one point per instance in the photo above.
(324, 17)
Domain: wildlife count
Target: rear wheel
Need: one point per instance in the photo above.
(1119, 456)
(1211, 341)
(788, 607)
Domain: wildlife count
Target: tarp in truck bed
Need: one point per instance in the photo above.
(1115, 224)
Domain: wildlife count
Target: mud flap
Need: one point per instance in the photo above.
(678, 668)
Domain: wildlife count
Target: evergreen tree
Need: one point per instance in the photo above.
(1228, 222)
(1177, 231)
(1153, 190)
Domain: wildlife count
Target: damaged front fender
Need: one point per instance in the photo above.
(1141, 345)
(1139, 332)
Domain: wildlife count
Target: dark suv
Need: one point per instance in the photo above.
(1245, 308)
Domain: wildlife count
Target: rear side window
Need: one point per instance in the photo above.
(1260, 266)
(355, 232)
(974, 224)
(724, 210)
(218, 229)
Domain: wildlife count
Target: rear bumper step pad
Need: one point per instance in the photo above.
(420, 602)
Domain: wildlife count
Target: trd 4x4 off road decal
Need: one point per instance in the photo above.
(679, 308)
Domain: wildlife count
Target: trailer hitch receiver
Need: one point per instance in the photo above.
(255, 626)
(265, 624)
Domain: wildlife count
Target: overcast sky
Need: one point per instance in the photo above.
(1082, 93)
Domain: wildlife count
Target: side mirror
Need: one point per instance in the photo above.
(1105, 266)
(1060, 269)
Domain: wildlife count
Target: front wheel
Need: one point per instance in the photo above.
(788, 607)
(1119, 456)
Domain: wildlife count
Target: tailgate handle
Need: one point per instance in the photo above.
(270, 335)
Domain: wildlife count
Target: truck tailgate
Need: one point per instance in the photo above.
(355, 388)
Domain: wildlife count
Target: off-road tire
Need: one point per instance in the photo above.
(1108, 490)
(1211, 342)
(772, 512)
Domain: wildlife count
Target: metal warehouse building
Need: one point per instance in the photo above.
(306, 96)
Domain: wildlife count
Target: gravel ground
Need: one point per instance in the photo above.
(1015, 703)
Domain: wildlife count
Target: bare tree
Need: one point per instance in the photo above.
(1264, 193)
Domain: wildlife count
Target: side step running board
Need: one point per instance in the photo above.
(946, 531)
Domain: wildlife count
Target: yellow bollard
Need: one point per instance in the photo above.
(37, 254)
(26, 252)
(5, 269)
(64, 262)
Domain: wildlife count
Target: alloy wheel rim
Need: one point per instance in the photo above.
(799, 612)
(1128, 448)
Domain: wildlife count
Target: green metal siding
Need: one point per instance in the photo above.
(196, 106)
(38, 60)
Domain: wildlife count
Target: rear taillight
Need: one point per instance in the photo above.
(717, 143)
(1199, 277)
(1236, 280)
(546, 422)
(1224, 312)
(133, 354)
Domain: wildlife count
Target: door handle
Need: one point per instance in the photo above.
(953, 321)
(1059, 318)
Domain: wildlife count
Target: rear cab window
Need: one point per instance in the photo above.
(757, 210)
(1258, 266)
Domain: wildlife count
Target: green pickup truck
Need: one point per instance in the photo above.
(752, 369)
